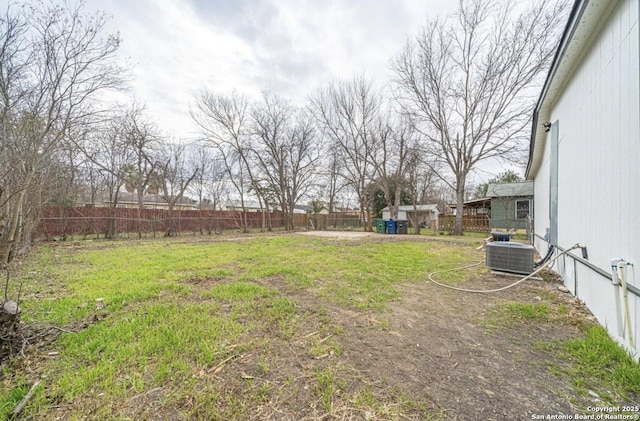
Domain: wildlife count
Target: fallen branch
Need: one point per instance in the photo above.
(218, 367)
(18, 409)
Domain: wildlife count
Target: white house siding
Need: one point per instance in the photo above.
(599, 167)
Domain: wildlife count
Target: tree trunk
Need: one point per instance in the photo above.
(110, 227)
(458, 229)
(415, 219)
(8, 245)
(9, 322)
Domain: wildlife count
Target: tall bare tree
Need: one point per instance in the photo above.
(421, 175)
(333, 182)
(346, 113)
(286, 151)
(175, 175)
(110, 156)
(394, 143)
(54, 62)
(467, 82)
(210, 183)
(225, 122)
(142, 138)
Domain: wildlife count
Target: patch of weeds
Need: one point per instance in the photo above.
(326, 386)
(263, 365)
(550, 276)
(10, 398)
(524, 311)
(383, 323)
(599, 363)
(395, 404)
(420, 406)
(157, 343)
(324, 347)
(510, 313)
(366, 399)
(261, 392)
(278, 309)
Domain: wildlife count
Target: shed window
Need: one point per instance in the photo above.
(522, 209)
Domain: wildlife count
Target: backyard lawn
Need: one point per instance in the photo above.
(295, 326)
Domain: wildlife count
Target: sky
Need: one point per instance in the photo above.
(178, 48)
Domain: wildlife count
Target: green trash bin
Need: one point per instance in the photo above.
(402, 226)
(380, 226)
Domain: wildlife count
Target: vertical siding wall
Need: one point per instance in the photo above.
(599, 167)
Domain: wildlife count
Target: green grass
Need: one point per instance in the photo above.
(209, 326)
(592, 363)
(526, 311)
(174, 310)
(600, 363)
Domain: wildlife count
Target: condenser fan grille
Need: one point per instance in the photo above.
(510, 257)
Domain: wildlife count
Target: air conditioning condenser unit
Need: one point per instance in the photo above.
(509, 257)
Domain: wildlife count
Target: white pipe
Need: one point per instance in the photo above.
(622, 272)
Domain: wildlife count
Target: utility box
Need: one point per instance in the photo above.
(506, 256)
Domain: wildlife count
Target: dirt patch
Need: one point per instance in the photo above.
(340, 235)
(438, 345)
(438, 350)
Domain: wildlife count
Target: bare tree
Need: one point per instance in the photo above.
(334, 184)
(54, 62)
(346, 113)
(224, 120)
(142, 138)
(175, 173)
(421, 177)
(467, 82)
(111, 158)
(285, 151)
(394, 143)
(209, 184)
(175, 176)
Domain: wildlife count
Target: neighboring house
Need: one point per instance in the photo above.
(302, 209)
(129, 200)
(473, 207)
(584, 160)
(423, 215)
(249, 206)
(511, 204)
(322, 211)
(254, 206)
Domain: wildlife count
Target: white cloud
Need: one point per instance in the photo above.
(291, 47)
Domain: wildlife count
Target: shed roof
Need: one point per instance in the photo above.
(510, 189)
(418, 208)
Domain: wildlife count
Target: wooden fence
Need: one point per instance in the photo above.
(334, 221)
(62, 221)
(470, 223)
(98, 222)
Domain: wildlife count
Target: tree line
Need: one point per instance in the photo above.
(462, 93)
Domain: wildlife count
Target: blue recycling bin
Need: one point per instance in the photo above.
(501, 236)
(391, 226)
